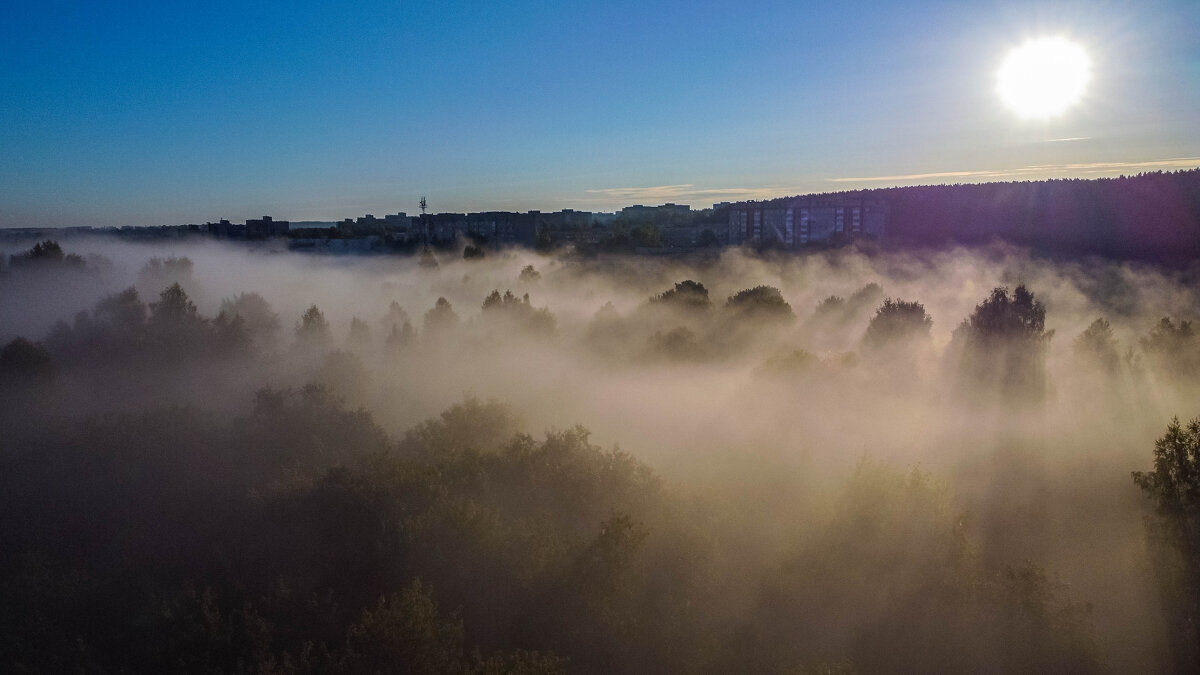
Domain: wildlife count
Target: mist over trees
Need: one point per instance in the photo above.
(1174, 531)
(1003, 345)
(541, 464)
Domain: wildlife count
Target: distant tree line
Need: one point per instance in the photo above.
(1152, 216)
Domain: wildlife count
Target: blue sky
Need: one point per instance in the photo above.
(171, 112)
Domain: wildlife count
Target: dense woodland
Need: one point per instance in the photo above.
(184, 491)
(1150, 216)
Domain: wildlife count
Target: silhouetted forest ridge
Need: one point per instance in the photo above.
(1150, 216)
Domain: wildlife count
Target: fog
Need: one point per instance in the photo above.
(763, 414)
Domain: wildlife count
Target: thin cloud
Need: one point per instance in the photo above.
(1087, 167)
(658, 193)
(916, 176)
(1175, 162)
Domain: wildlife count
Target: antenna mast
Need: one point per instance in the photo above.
(424, 224)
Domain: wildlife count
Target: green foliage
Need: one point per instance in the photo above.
(647, 235)
(897, 322)
(529, 274)
(175, 327)
(760, 302)
(259, 319)
(313, 328)
(292, 541)
(473, 425)
(519, 312)
(1002, 318)
(45, 250)
(121, 329)
(690, 296)
(678, 344)
(1174, 349)
(173, 308)
(405, 633)
(1174, 533)
(834, 304)
(47, 254)
(1003, 347)
(308, 427)
(123, 312)
(1097, 346)
(789, 361)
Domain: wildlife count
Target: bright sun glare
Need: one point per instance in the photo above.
(1044, 77)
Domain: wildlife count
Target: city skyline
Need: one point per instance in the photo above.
(150, 115)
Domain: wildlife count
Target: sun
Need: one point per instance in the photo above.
(1044, 77)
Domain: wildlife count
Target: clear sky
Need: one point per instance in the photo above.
(148, 113)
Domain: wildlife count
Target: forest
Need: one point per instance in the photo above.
(240, 460)
(1151, 217)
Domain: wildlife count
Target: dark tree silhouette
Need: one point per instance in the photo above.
(1097, 346)
(122, 312)
(173, 307)
(687, 295)
(760, 302)
(260, 321)
(833, 305)
(441, 318)
(1003, 345)
(48, 252)
(1174, 533)
(313, 328)
(529, 274)
(788, 362)
(1174, 349)
(679, 343)
(519, 311)
(897, 322)
(25, 361)
(176, 329)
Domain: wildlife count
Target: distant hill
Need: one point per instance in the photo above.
(1150, 216)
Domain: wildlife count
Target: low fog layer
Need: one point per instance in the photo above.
(847, 460)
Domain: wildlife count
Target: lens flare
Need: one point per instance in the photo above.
(1044, 77)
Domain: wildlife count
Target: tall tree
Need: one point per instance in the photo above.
(313, 328)
(1096, 345)
(897, 322)
(1174, 533)
(1003, 346)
